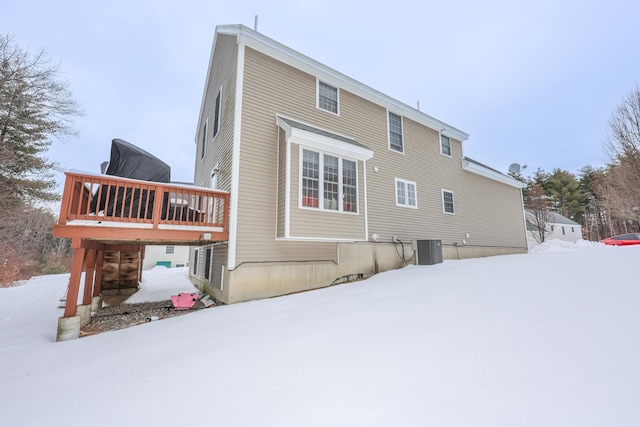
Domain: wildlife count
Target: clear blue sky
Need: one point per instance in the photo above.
(530, 82)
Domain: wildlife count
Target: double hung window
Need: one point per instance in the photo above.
(395, 132)
(445, 145)
(328, 182)
(327, 97)
(447, 202)
(406, 193)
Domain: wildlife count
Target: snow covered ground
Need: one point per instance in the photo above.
(549, 338)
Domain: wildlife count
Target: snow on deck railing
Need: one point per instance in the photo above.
(91, 197)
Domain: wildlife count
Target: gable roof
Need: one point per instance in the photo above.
(270, 47)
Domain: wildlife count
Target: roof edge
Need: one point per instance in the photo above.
(292, 57)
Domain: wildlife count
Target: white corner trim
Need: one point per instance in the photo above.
(366, 212)
(235, 160)
(491, 174)
(287, 189)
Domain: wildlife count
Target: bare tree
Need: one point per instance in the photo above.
(619, 188)
(537, 204)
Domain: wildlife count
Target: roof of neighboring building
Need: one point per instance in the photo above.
(556, 218)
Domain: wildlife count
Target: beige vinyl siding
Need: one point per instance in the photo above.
(219, 149)
(488, 210)
(316, 223)
(263, 98)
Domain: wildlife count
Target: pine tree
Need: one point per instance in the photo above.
(35, 106)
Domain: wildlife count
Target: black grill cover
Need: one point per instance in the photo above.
(129, 161)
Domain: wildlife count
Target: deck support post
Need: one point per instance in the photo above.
(90, 267)
(69, 324)
(74, 280)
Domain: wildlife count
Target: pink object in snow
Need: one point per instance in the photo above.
(184, 301)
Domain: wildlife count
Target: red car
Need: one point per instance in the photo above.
(623, 240)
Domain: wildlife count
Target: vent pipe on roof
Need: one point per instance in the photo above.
(255, 24)
(418, 105)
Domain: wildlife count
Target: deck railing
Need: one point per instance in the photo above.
(125, 202)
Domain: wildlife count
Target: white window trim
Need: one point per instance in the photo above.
(453, 201)
(389, 132)
(450, 147)
(337, 113)
(203, 150)
(321, 182)
(216, 132)
(406, 195)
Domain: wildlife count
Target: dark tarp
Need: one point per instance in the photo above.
(129, 161)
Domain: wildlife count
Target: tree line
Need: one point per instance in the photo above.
(604, 200)
(36, 106)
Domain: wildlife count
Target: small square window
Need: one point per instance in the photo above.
(395, 133)
(445, 145)
(447, 202)
(170, 250)
(406, 193)
(327, 97)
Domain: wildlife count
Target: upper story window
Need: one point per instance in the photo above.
(447, 202)
(327, 97)
(445, 145)
(203, 148)
(328, 182)
(406, 194)
(395, 132)
(217, 113)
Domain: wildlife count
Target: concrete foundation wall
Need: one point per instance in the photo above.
(251, 281)
(462, 252)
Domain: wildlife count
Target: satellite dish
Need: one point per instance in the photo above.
(514, 168)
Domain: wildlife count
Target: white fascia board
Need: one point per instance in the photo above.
(285, 54)
(488, 173)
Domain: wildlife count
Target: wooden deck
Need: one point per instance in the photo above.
(118, 210)
(102, 213)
